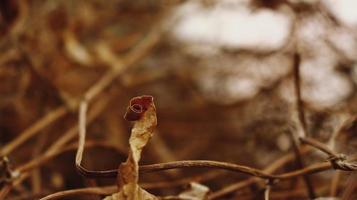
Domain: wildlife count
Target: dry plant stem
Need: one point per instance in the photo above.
(299, 101)
(111, 189)
(302, 120)
(24, 169)
(337, 161)
(7, 188)
(177, 165)
(4, 191)
(43, 159)
(267, 192)
(82, 131)
(205, 164)
(241, 184)
(34, 129)
(233, 187)
(319, 145)
(91, 190)
(97, 108)
(173, 183)
(27, 196)
(334, 183)
(351, 187)
(300, 164)
(36, 180)
(288, 194)
(316, 168)
(57, 147)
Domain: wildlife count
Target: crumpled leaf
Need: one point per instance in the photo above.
(142, 111)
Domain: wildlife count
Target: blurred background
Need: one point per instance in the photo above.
(221, 73)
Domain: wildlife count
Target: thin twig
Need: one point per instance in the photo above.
(302, 120)
(97, 108)
(271, 168)
(82, 131)
(300, 164)
(43, 159)
(34, 129)
(107, 190)
(36, 179)
(322, 147)
(26, 168)
(334, 184)
(267, 192)
(298, 95)
(91, 190)
(351, 187)
(312, 169)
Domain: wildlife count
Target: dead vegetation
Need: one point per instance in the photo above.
(232, 122)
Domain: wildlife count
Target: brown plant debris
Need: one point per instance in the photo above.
(142, 112)
(255, 99)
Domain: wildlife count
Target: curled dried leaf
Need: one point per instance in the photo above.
(138, 106)
(142, 111)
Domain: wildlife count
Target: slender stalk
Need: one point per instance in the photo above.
(302, 120)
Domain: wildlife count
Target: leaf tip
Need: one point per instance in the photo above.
(137, 107)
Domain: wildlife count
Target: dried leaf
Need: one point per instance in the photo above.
(142, 111)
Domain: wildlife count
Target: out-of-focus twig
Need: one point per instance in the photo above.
(34, 129)
(271, 168)
(302, 121)
(334, 184)
(350, 192)
(267, 192)
(24, 170)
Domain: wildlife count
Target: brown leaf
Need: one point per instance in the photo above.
(142, 111)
